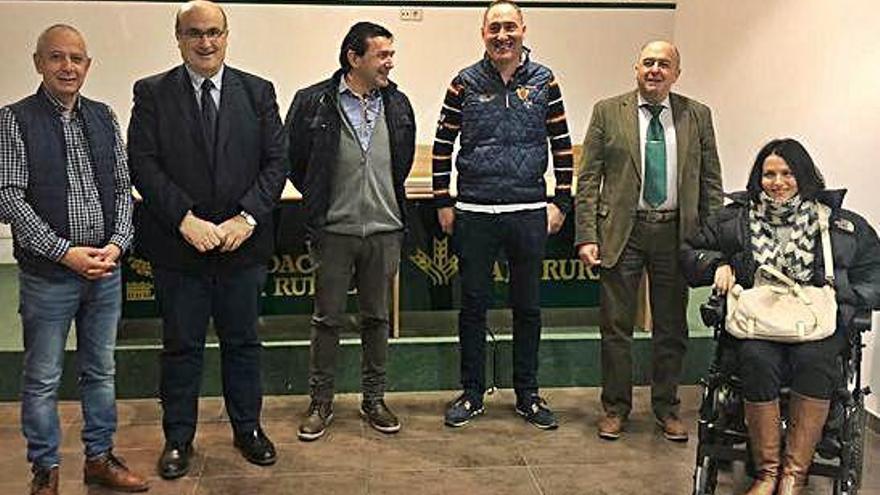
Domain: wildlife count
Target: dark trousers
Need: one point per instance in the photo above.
(479, 237)
(186, 302)
(652, 246)
(810, 368)
(373, 262)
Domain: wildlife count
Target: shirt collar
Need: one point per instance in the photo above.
(197, 79)
(56, 103)
(642, 102)
(345, 88)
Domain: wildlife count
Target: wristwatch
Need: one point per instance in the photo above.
(248, 218)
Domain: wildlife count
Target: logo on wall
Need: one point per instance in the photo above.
(441, 267)
(139, 290)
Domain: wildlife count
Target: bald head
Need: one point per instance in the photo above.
(61, 59)
(664, 45)
(198, 6)
(657, 69)
(201, 31)
(49, 32)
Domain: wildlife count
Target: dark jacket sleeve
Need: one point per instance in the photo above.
(298, 145)
(163, 196)
(263, 195)
(702, 253)
(864, 273)
(409, 151)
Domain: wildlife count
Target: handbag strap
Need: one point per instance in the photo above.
(824, 213)
(775, 273)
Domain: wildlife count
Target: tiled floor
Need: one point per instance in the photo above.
(496, 454)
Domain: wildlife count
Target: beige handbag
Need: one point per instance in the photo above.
(779, 309)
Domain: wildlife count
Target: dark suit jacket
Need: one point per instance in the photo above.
(609, 177)
(173, 170)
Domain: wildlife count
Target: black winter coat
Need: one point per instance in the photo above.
(312, 128)
(725, 238)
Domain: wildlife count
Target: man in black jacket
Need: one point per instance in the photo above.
(207, 155)
(352, 140)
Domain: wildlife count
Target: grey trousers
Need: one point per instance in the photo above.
(373, 262)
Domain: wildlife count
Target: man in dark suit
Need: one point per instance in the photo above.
(207, 156)
(650, 174)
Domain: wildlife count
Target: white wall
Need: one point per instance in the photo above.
(801, 68)
(768, 68)
(297, 45)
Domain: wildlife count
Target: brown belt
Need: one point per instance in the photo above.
(657, 216)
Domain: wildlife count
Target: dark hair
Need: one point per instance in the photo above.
(809, 179)
(356, 41)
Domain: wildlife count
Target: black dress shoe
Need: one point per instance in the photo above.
(256, 447)
(174, 461)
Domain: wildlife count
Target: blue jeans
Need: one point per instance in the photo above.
(47, 307)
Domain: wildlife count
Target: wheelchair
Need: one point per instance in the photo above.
(722, 434)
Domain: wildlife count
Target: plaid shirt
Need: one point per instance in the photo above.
(84, 213)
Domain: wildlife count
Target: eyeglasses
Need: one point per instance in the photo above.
(195, 34)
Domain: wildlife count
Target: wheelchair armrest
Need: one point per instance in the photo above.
(861, 322)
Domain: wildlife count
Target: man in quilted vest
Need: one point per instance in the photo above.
(65, 192)
(505, 109)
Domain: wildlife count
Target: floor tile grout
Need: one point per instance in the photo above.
(496, 454)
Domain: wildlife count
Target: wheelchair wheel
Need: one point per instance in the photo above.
(706, 476)
(856, 435)
(852, 455)
(846, 486)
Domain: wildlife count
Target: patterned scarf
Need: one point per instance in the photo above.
(795, 257)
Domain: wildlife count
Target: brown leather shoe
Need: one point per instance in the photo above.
(673, 428)
(109, 471)
(610, 426)
(45, 481)
(318, 418)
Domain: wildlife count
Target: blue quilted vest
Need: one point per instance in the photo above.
(503, 139)
(46, 191)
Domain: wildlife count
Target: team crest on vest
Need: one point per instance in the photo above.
(524, 93)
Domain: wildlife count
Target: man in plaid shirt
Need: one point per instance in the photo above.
(65, 191)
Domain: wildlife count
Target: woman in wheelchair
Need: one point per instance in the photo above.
(775, 222)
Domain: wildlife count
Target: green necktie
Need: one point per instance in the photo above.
(655, 159)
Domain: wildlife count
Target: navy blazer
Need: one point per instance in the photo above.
(174, 171)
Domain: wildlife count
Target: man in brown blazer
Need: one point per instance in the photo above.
(650, 173)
